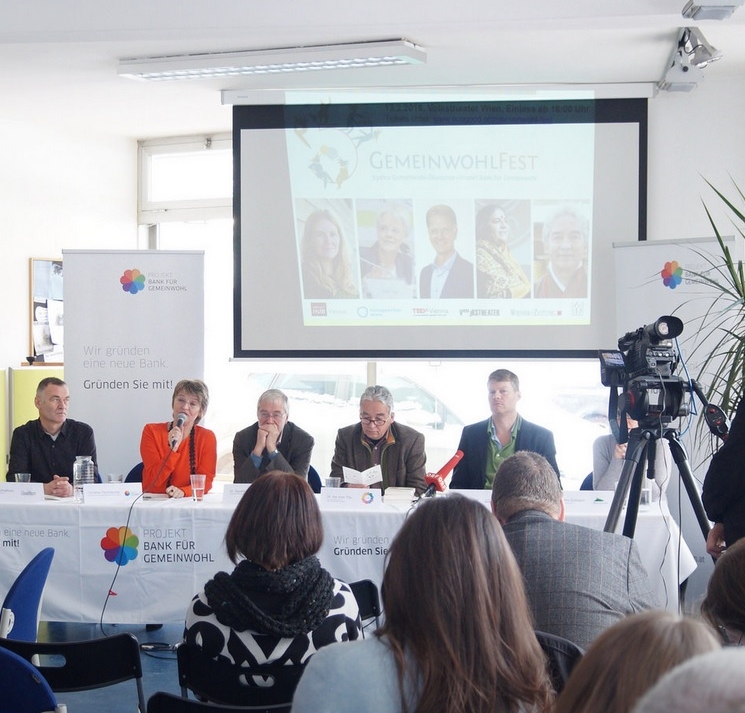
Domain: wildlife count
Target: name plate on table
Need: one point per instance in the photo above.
(22, 492)
(233, 492)
(111, 492)
(351, 498)
(482, 495)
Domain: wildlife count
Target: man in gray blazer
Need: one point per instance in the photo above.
(578, 580)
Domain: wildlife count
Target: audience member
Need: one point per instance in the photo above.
(579, 581)
(608, 458)
(173, 451)
(628, 658)
(723, 493)
(387, 266)
(565, 238)
(708, 683)
(278, 605)
(499, 274)
(457, 637)
(724, 604)
(272, 443)
(378, 440)
(47, 446)
(326, 269)
(486, 444)
(450, 275)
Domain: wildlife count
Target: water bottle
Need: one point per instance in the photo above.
(83, 471)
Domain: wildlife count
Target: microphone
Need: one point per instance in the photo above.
(436, 481)
(180, 421)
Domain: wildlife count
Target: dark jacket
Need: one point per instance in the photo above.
(294, 448)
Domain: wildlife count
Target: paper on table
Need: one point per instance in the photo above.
(366, 477)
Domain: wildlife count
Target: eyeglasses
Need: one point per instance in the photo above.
(275, 415)
(374, 421)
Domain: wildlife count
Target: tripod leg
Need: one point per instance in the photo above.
(638, 442)
(681, 460)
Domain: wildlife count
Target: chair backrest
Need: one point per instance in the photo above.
(19, 618)
(314, 480)
(83, 665)
(22, 688)
(587, 483)
(368, 600)
(562, 654)
(256, 688)
(135, 475)
(162, 702)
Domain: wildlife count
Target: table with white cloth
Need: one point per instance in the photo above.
(169, 548)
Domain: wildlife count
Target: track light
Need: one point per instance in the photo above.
(710, 9)
(274, 61)
(699, 50)
(685, 66)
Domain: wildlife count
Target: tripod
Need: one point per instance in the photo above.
(643, 441)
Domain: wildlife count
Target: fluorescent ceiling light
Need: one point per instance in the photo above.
(710, 9)
(273, 61)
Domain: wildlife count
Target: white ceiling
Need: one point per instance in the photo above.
(58, 58)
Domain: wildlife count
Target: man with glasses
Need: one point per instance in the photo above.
(378, 440)
(272, 443)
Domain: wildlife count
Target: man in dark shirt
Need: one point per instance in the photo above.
(47, 446)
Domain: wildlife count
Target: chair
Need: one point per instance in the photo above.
(162, 702)
(23, 688)
(71, 666)
(562, 654)
(265, 687)
(368, 600)
(19, 618)
(314, 480)
(587, 483)
(135, 475)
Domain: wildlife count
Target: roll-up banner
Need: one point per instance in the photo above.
(134, 326)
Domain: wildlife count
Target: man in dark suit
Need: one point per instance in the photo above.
(579, 581)
(487, 443)
(272, 443)
(449, 276)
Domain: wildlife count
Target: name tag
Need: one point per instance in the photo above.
(233, 492)
(22, 492)
(111, 492)
(351, 498)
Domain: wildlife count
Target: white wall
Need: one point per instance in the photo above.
(57, 191)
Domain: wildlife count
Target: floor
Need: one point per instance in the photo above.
(158, 665)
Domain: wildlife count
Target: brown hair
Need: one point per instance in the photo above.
(505, 375)
(456, 608)
(628, 658)
(724, 604)
(276, 523)
(525, 481)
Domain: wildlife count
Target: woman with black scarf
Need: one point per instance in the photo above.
(278, 605)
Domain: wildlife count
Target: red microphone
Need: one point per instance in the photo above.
(436, 481)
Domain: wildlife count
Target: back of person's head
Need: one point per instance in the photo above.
(525, 481)
(629, 657)
(724, 604)
(709, 683)
(276, 523)
(455, 605)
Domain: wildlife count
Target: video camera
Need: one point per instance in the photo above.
(645, 366)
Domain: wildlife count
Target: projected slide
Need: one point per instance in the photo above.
(432, 225)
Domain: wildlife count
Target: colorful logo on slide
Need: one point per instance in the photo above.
(367, 497)
(672, 274)
(120, 545)
(133, 281)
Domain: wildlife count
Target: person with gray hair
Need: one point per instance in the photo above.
(579, 581)
(565, 239)
(378, 440)
(709, 683)
(272, 443)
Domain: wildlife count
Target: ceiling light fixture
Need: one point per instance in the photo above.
(274, 61)
(710, 9)
(686, 64)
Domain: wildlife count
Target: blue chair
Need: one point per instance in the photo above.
(314, 480)
(135, 475)
(23, 687)
(19, 618)
(587, 483)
